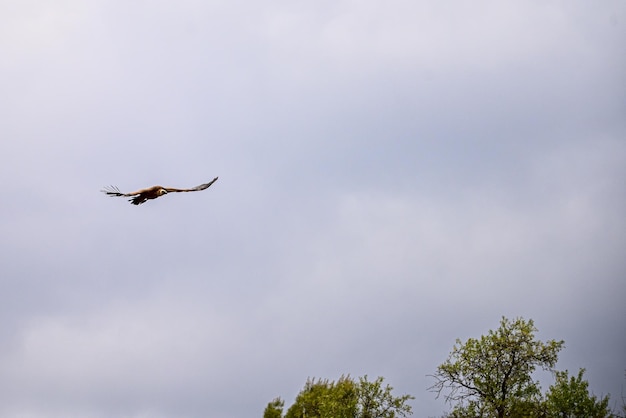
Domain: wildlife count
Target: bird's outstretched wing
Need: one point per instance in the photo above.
(114, 191)
(193, 189)
(138, 197)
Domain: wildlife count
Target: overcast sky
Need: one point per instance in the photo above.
(393, 175)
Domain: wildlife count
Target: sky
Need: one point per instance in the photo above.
(392, 176)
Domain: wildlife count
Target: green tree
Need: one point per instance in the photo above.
(274, 409)
(569, 397)
(323, 398)
(376, 401)
(492, 376)
(346, 398)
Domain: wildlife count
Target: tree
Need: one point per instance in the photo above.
(274, 409)
(492, 376)
(374, 401)
(570, 398)
(346, 398)
(322, 398)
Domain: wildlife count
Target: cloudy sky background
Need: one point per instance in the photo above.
(392, 176)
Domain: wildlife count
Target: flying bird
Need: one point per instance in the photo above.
(140, 196)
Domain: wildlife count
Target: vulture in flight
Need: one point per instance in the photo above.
(140, 196)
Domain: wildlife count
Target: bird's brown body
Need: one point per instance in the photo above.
(141, 196)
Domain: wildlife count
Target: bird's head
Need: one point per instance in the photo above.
(162, 191)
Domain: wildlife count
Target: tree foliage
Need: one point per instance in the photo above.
(345, 398)
(274, 409)
(376, 401)
(323, 398)
(569, 397)
(492, 376)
